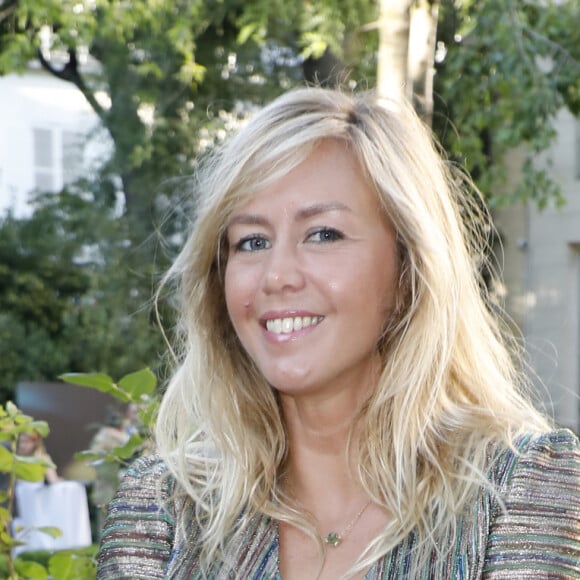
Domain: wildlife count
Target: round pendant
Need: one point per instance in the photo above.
(333, 539)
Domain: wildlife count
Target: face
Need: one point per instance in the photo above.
(312, 274)
(26, 444)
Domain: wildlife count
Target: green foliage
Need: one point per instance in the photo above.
(77, 276)
(72, 566)
(70, 299)
(61, 566)
(79, 564)
(30, 570)
(137, 387)
(510, 66)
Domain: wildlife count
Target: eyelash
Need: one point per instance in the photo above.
(326, 235)
(239, 246)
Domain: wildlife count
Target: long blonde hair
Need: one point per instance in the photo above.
(449, 388)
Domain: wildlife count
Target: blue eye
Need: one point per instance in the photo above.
(252, 243)
(324, 235)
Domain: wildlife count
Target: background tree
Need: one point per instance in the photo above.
(68, 302)
(169, 78)
(407, 40)
(169, 69)
(504, 70)
(509, 67)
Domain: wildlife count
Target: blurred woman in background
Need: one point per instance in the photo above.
(32, 445)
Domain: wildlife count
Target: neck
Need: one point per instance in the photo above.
(318, 435)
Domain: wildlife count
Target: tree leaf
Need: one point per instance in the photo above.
(9, 541)
(6, 460)
(71, 566)
(29, 468)
(90, 455)
(30, 570)
(40, 427)
(129, 449)
(51, 531)
(139, 383)
(246, 31)
(99, 381)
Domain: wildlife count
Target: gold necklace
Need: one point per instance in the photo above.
(334, 539)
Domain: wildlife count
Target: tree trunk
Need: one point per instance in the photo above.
(406, 60)
(421, 61)
(394, 26)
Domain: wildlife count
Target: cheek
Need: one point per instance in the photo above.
(371, 292)
(230, 294)
(239, 290)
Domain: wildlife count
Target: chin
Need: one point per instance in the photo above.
(290, 385)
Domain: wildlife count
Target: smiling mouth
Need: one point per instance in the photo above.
(289, 325)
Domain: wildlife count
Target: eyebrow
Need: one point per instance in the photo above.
(318, 208)
(301, 214)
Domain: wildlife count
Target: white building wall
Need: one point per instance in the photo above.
(542, 276)
(38, 101)
(554, 264)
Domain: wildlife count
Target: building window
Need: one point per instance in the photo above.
(44, 166)
(58, 158)
(72, 156)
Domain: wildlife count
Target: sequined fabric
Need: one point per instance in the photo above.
(534, 535)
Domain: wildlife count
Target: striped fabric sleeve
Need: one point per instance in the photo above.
(137, 537)
(536, 534)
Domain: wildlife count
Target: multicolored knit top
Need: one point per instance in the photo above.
(535, 534)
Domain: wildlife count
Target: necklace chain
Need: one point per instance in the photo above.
(334, 539)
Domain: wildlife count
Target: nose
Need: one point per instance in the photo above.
(283, 269)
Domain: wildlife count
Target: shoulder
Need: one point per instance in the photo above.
(146, 479)
(147, 467)
(137, 539)
(535, 524)
(555, 454)
(146, 484)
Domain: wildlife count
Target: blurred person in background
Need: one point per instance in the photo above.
(131, 422)
(110, 435)
(32, 445)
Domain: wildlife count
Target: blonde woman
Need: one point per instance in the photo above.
(345, 405)
(32, 445)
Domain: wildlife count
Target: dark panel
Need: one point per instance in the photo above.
(73, 414)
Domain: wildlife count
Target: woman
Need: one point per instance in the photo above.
(344, 404)
(111, 435)
(32, 445)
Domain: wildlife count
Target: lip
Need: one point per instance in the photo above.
(280, 338)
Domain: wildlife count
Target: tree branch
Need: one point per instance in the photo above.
(70, 73)
(518, 34)
(554, 45)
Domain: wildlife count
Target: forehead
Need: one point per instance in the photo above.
(328, 179)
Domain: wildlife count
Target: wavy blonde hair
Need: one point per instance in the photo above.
(449, 388)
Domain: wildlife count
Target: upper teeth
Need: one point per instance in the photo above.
(288, 325)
